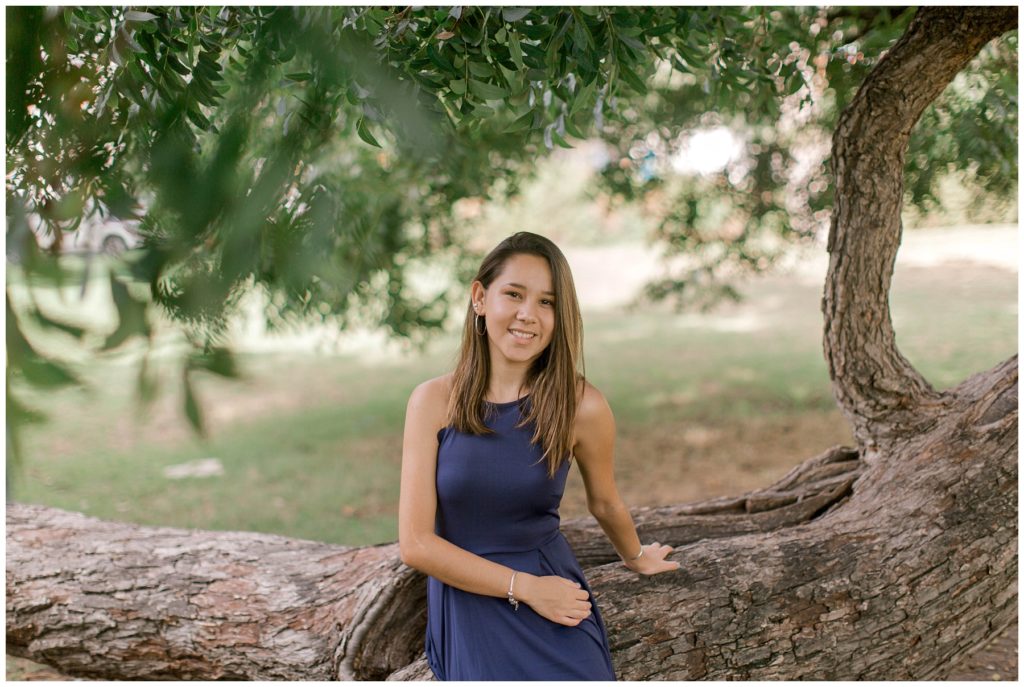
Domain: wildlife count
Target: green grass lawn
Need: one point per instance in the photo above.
(311, 445)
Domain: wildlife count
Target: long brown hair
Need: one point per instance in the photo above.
(555, 379)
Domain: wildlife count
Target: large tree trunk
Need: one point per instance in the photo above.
(888, 561)
(115, 600)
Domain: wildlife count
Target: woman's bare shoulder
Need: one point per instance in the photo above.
(593, 406)
(430, 398)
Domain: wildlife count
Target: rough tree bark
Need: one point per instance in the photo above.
(890, 560)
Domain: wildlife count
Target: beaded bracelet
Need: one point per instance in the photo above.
(511, 599)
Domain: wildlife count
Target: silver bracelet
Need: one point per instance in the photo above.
(512, 599)
(638, 555)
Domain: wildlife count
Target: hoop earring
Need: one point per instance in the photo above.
(476, 326)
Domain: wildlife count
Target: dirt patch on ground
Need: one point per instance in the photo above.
(666, 463)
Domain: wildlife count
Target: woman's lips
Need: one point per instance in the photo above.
(523, 336)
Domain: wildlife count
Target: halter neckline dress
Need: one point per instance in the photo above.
(494, 499)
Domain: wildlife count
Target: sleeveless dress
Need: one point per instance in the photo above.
(494, 499)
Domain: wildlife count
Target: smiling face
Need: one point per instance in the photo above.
(519, 308)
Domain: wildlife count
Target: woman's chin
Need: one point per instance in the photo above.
(519, 354)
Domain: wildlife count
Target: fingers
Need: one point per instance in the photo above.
(580, 609)
(575, 617)
(659, 552)
(580, 593)
(571, 618)
(575, 605)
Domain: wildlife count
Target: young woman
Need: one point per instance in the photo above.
(486, 453)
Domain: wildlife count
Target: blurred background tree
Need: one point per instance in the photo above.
(317, 153)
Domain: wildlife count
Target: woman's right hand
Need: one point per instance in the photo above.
(558, 599)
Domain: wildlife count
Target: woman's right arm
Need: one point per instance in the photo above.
(555, 598)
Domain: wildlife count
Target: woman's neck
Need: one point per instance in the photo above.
(507, 383)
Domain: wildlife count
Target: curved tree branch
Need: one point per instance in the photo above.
(878, 389)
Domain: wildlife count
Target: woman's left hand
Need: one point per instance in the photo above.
(653, 561)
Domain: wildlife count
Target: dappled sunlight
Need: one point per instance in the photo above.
(707, 151)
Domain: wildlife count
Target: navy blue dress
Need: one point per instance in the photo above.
(494, 499)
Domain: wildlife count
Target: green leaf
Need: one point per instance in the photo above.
(516, 83)
(570, 128)
(364, 133)
(471, 34)
(481, 69)
(135, 15)
(299, 76)
(559, 140)
(660, 30)
(583, 98)
(458, 86)
(197, 117)
(175, 64)
(524, 122)
(633, 43)
(440, 61)
(482, 111)
(554, 53)
(487, 91)
(632, 79)
(794, 83)
(511, 14)
(582, 32)
(208, 66)
(515, 50)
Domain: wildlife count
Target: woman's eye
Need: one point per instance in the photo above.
(516, 294)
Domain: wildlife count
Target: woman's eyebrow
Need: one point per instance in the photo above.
(520, 286)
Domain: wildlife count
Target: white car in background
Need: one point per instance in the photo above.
(111, 236)
(108, 235)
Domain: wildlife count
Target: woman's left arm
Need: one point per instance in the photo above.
(595, 442)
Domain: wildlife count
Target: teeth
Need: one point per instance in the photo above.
(521, 335)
